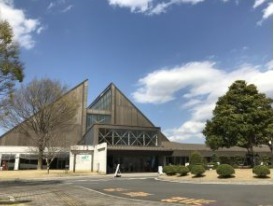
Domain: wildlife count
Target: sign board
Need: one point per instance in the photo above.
(117, 171)
(83, 161)
(160, 170)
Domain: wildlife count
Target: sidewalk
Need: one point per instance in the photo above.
(64, 195)
(24, 190)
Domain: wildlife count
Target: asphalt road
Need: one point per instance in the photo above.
(106, 190)
(184, 193)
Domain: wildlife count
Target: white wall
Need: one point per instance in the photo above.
(83, 161)
(83, 158)
(15, 150)
(100, 158)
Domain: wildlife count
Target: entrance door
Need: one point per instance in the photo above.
(130, 163)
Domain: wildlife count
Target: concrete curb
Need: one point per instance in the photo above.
(214, 182)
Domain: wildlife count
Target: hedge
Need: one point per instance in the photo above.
(170, 170)
(195, 158)
(197, 170)
(225, 170)
(261, 171)
(182, 170)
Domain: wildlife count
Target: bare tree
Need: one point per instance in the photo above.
(55, 147)
(40, 110)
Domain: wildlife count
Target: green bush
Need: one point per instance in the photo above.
(225, 160)
(214, 158)
(195, 158)
(182, 170)
(197, 170)
(225, 170)
(170, 170)
(261, 171)
(266, 160)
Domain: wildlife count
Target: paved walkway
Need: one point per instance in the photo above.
(53, 191)
(63, 195)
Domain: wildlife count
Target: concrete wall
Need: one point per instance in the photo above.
(16, 151)
(88, 158)
(81, 158)
(100, 158)
(83, 162)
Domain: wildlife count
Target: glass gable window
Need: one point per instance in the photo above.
(97, 119)
(103, 103)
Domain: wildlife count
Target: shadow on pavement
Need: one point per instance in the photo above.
(29, 182)
(14, 202)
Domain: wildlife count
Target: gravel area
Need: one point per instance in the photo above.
(241, 176)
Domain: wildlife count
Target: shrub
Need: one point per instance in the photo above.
(169, 170)
(197, 170)
(261, 171)
(225, 170)
(225, 160)
(195, 158)
(266, 160)
(182, 170)
(215, 158)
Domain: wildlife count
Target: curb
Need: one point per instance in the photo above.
(214, 182)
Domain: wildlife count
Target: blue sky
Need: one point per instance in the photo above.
(172, 58)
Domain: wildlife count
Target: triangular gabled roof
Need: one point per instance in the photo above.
(15, 138)
(123, 112)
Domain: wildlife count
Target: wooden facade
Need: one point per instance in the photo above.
(73, 133)
(113, 110)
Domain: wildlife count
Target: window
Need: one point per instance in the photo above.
(104, 102)
(128, 137)
(97, 118)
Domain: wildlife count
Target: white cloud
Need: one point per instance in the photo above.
(268, 11)
(23, 27)
(51, 5)
(60, 6)
(134, 5)
(154, 7)
(160, 8)
(202, 84)
(160, 86)
(258, 3)
(149, 7)
(68, 8)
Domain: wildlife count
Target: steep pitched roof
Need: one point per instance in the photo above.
(122, 111)
(13, 136)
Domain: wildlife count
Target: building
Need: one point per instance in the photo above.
(108, 132)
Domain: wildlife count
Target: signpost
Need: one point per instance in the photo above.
(117, 171)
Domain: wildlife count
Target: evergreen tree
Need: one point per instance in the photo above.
(11, 69)
(242, 117)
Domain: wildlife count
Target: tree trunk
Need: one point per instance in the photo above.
(271, 148)
(40, 160)
(252, 156)
(48, 164)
